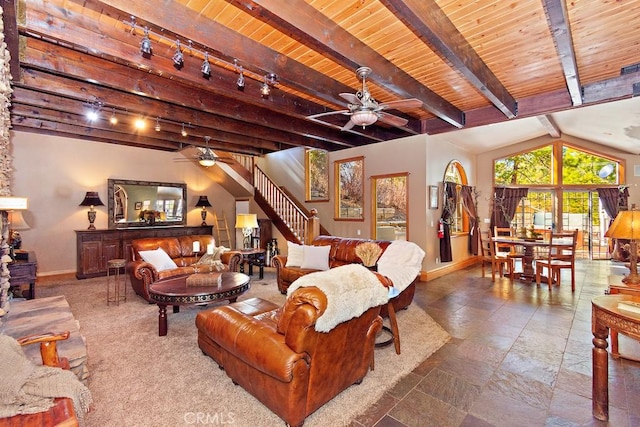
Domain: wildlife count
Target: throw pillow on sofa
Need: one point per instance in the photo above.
(315, 257)
(294, 255)
(159, 259)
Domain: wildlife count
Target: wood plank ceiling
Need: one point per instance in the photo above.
(470, 63)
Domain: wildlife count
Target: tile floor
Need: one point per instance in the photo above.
(519, 356)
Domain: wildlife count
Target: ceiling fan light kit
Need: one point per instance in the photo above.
(364, 110)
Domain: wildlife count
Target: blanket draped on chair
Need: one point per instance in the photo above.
(26, 388)
(401, 262)
(351, 290)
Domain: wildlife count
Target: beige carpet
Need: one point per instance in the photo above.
(140, 379)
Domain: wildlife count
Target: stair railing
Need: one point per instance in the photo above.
(292, 216)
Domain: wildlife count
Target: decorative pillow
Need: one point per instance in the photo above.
(159, 259)
(214, 257)
(315, 257)
(294, 255)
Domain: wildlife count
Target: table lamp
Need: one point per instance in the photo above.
(203, 202)
(626, 225)
(16, 223)
(91, 199)
(247, 222)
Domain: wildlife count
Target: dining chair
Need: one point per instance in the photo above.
(497, 261)
(561, 254)
(510, 250)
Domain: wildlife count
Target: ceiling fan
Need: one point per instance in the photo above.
(206, 156)
(364, 110)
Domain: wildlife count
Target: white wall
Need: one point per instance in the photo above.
(425, 164)
(55, 173)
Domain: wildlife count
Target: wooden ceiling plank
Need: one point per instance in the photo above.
(10, 23)
(432, 26)
(313, 29)
(557, 16)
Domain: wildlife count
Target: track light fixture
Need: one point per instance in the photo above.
(269, 79)
(157, 126)
(113, 120)
(265, 90)
(184, 131)
(206, 67)
(178, 57)
(145, 44)
(139, 123)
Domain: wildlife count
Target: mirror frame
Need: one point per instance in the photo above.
(111, 183)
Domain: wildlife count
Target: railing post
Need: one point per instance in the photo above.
(313, 226)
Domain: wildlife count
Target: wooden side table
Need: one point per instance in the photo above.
(605, 315)
(23, 271)
(617, 286)
(253, 257)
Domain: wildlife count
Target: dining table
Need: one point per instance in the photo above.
(528, 272)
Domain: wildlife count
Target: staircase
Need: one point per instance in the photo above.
(290, 217)
(294, 222)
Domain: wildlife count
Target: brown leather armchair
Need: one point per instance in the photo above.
(277, 355)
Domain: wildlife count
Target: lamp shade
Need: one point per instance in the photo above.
(16, 221)
(364, 117)
(91, 199)
(13, 203)
(246, 221)
(626, 225)
(203, 202)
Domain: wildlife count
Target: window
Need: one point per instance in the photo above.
(349, 189)
(316, 175)
(459, 222)
(390, 206)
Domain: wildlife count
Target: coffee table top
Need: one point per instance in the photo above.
(175, 291)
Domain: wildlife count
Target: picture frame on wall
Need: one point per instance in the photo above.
(138, 206)
(433, 197)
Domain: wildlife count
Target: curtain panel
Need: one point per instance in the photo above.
(469, 203)
(448, 210)
(505, 204)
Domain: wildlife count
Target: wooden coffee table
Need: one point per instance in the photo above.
(174, 291)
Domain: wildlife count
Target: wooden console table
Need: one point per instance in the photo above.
(606, 316)
(23, 271)
(95, 247)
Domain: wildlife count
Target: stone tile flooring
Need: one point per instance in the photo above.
(519, 356)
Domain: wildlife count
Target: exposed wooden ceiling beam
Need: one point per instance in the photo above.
(301, 21)
(9, 21)
(551, 127)
(429, 23)
(556, 11)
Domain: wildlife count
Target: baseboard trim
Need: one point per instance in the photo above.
(448, 268)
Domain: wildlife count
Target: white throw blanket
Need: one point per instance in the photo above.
(351, 290)
(401, 262)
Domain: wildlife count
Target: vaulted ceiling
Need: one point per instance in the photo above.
(470, 64)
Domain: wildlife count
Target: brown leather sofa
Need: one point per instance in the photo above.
(342, 252)
(180, 249)
(277, 355)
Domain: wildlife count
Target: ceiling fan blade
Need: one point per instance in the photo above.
(348, 126)
(328, 113)
(402, 103)
(351, 98)
(392, 120)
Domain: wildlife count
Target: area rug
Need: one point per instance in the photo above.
(138, 378)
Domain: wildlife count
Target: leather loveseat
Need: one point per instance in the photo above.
(180, 250)
(277, 355)
(342, 252)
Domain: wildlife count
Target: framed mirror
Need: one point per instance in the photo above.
(145, 203)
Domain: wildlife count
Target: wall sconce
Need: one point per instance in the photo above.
(203, 202)
(91, 199)
(247, 222)
(145, 45)
(206, 67)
